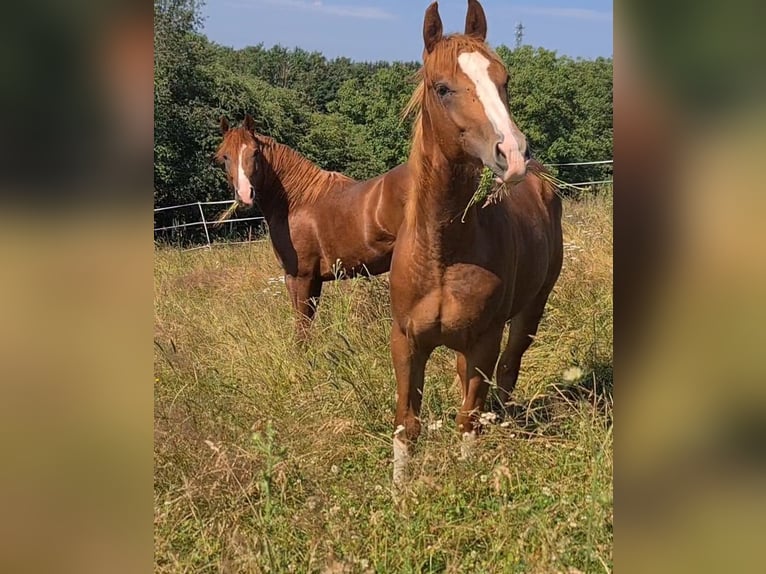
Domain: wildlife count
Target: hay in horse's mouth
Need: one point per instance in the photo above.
(557, 183)
(226, 214)
(490, 190)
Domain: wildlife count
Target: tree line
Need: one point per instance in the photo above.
(344, 115)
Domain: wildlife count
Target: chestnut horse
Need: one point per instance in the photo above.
(458, 284)
(323, 225)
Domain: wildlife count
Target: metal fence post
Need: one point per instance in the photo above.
(204, 223)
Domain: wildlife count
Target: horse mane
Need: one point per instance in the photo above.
(302, 181)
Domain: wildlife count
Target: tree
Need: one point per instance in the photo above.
(181, 89)
(375, 103)
(564, 107)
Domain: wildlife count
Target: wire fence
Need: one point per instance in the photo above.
(193, 226)
(204, 233)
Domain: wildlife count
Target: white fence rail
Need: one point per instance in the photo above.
(581, 163)
(205, 223)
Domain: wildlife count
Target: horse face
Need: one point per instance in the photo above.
(467, 101)
(238, 153)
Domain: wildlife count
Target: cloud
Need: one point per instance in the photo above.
(363, 12)
(574, 13)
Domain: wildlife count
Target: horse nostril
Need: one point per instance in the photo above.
(527, 153)
(252, 192)
(500, 158)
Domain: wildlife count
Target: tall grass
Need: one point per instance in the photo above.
(273, 458)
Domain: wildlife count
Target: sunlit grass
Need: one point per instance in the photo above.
(273, 458)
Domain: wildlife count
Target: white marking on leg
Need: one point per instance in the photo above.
(468, 445)
(401, 460)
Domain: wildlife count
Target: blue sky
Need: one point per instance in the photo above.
(392, 29)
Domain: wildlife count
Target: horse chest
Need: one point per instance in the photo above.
(465, 300)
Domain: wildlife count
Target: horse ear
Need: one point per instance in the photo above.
(432, 27)
(476, 21)
(249, 123)
(224, 125)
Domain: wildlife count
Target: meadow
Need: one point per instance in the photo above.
(270, 457)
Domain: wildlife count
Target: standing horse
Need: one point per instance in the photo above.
(322, 224)
(453, 283)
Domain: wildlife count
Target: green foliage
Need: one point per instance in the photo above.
(182, 96)
(375, 103)
(337, 144)
(564, 107)
(344, 115)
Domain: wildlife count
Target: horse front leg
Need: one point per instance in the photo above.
(522, 333)
(409, 368)
(304, 295)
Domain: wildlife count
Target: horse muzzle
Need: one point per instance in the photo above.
(510, 160)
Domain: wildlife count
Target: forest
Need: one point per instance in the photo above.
(344, 115)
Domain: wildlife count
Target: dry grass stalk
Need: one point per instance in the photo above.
(226, 215)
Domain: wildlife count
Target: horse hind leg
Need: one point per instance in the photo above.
(474, 368)
(523, 329)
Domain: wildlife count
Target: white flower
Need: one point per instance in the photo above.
(505, 424)
(435, 425)
(334, 469)
(488, 417)
(572, 374)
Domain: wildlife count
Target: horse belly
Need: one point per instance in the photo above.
(530, 274)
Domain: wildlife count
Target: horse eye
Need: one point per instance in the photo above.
(442, 90)
(225, 157)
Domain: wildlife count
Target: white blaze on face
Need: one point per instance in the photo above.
(243, 183)
(476, 67)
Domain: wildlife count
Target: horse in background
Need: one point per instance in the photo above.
(323, 225)
(457, 284)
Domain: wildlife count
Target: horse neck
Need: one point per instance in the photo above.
(443, 188)
(293, 179)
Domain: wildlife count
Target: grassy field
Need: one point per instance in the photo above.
(269, 458)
